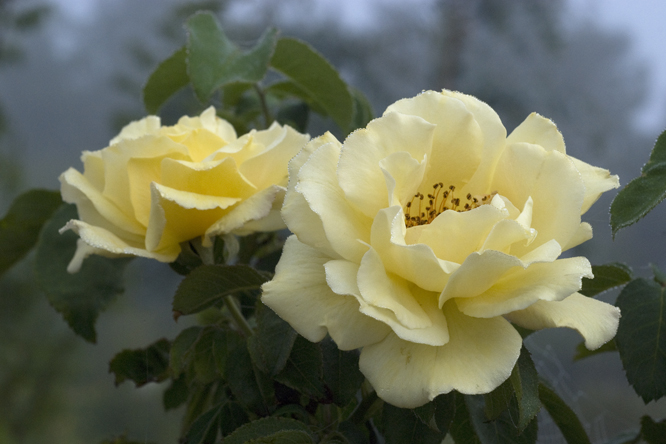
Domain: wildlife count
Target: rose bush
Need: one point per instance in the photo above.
(156, 186)
(426, 234)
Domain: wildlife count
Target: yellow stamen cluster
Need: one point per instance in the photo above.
(438, 202)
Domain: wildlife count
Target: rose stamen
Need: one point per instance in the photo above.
(440, 201)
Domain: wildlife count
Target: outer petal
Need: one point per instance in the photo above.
(255, 208)
(480, 356)
(359, 170)
(596, 180)
(551, 281)
(300, 295)
(538, 130)
(346, 228)
(596, 321)
(139, 128)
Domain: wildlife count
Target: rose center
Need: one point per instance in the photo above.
(422, 209)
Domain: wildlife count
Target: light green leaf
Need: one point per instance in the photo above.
(606, 277)
(314, 74)
(20, 227)
(643, 193)
(565, 418)
(169, 77)
(209, 284)
(79, 297)
(264, 427)
(641, 337)
(214, 61)
(150, 364)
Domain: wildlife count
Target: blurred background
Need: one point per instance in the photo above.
(71, 73)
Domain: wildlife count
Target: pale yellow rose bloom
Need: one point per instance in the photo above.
(156, 186)
(426, 234)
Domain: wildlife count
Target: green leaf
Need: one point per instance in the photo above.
(264, 427)
(363, 113)
(582, 351)
(272, 342)
(206, 366)
(525, 381)
(341, 373)
(144, 365)
(498, 400)
(232, 416)
(123, 440)
(205, 428)
(403, 426)
(445, 409)
(470, 425)
(643, 193)
(641, 337)
(313, 74)
(182, 349)
(214, 61)
(284, 437)
(176, 395)
(563, 417)
(79, 297)
(606, 277)
(209, 284)
(659, 276)
(169, 77)
(249, 385)
(20, 227)
(653, 432)
(295, 115)
(304, 369)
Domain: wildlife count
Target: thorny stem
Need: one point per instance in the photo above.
(264, 106)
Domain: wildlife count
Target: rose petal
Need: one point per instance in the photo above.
(256, 207)
(538, 130)
(596, 321)
(596, 180)
(147, 126)
(300, 295)
(479, 356)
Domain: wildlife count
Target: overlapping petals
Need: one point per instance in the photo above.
(426, 234)
(156, 186)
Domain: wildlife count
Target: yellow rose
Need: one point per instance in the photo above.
(156, 186)
(424, 235)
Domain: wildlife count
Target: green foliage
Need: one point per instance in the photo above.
(304, 369)
(606, 277)
(643, 193)
(562, 415)
(79, 297)
(653, 432)
(402, 426)
(209, 284)
(268, 428)
(271, 345)
(582, 351)
(342, 376)
(20, 227)
(123, 440)
(169, 77)
(525, 382)
(142, 366)
(641, 337)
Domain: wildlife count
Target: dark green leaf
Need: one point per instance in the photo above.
(304, 369)
(643, 193)
(169, 77)
(213, 60)
(606, 277)
(79, 297)
(563, 417)
(286, 89)
(403, 426)
(205, 363)
(341, 373)
(582, 351)
(284, 437)
(295, 115)
(313, 74)
(641, 337)
(123, 440)
(204, 429)
(426, 413)
(176, 395)
(182, 349)
(232, 416)
(250, 386)
(20, 227)
(209, 284)
(461, 428)
(445, 410)
(653, 432)
(264, 427)
(525, 381)
(271, 344)
(498, 400)
(150, 364)
(362, 110)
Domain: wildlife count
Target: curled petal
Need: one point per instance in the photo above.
(597, 181)
(596, 321)
(538, 130)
